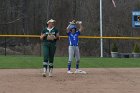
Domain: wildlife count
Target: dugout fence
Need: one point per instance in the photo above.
(31, 45)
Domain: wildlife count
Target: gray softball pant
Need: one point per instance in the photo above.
(73, 52)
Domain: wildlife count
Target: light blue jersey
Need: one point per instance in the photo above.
(73, 38)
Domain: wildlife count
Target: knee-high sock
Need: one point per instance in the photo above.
(69, 65)
(45, 65)
(77, 64)
(50, 66)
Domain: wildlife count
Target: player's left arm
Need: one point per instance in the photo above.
(57, 36)
(80, 27)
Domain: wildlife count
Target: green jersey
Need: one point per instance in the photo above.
(54, 31)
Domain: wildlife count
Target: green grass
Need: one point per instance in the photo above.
(15, 62)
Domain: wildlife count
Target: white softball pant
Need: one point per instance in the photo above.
(73, 52)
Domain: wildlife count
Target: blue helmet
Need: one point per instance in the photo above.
(72, 26)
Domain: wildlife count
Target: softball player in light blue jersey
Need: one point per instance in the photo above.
(73, 48)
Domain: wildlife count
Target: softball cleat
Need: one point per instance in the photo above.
(44, 74)
(50, 74)
(69, 72)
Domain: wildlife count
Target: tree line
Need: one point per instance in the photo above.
(30, 16)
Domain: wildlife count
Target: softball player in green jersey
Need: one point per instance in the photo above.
(49, 36)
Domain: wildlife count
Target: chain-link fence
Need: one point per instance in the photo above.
(89, 45)
(20, 46)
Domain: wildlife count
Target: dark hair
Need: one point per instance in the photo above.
(73, 28)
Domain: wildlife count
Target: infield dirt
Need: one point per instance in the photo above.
(98, 80)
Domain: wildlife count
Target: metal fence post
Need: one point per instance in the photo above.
(5, 46)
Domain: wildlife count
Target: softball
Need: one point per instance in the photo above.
(79, 22)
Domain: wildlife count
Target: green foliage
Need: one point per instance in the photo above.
(114, 48)
(136, 49)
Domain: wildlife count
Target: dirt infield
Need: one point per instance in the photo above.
(98, 80)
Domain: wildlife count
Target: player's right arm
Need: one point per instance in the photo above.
(68, 29)
(42, 35)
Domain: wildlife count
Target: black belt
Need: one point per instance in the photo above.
(73, 45)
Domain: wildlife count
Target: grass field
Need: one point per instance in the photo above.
(14, 62)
